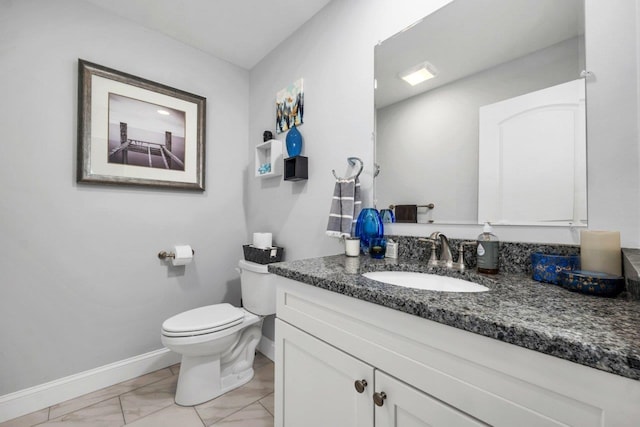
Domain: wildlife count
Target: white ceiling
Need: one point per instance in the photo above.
(241, 32)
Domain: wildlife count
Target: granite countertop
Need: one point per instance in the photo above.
(602, 333)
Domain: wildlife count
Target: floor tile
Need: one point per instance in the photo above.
(28, 420)
(268, 403)
(148, 399)
(103, 414)
(260, 360)
(175, 369)
(252, 416)
(259, 387)
(264, 374)
(107, 393)
(172, 416)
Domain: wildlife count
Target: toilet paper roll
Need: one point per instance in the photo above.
(262, 240)
(183, 255)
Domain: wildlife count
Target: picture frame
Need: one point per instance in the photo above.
(133, 131)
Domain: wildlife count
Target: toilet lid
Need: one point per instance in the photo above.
(203, 320)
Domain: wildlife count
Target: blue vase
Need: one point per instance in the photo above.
(294, 142)
(368, 226)
(387, 215)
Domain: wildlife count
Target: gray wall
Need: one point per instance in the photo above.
(334, 54)
(426, 138)
(81, 282)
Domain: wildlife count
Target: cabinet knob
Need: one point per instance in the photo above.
(378, 398)
(360, 385)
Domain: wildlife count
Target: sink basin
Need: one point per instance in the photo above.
(430, 282)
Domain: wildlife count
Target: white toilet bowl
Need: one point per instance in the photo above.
(218, 342)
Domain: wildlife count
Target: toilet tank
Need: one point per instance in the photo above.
(258, 288)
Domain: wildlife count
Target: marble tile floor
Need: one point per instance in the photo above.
(147, 401)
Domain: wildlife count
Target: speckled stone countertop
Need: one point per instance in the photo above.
(603, 333)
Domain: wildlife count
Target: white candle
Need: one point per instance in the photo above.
(352, 246)
(600, 251)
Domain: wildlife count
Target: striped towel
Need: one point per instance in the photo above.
(345, 208)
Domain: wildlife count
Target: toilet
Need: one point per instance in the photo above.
(218, 342)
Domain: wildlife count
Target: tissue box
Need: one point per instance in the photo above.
(547, 267)
(262, 256)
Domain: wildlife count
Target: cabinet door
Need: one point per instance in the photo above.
(317, 382)
(405, 406)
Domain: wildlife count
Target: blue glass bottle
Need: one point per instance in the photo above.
(368, 226)
(294, 142)
(387, 215)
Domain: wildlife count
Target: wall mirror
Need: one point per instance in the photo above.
(498, 133)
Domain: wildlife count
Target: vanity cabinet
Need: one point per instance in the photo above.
(319, 382)
(320, 389)
(430, 374)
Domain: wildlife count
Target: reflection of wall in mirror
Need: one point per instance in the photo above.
(427, 145)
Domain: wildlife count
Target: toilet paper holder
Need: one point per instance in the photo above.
(165, 254)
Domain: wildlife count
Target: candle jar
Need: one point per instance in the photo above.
(352, 246)
(377, 247)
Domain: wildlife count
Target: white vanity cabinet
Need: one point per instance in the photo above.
(404, 406)
(320, 390)
(319, 382)
(430, 374)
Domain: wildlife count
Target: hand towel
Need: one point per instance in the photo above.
(345, 208)
(406, 213)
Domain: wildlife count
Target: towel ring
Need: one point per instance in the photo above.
(352, 161)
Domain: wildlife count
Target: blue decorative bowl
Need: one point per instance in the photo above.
(592, 283)
(547, 267)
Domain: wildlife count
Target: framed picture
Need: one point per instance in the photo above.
(290, 106)
(134, 131)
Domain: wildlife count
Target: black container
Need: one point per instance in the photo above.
(262, 256)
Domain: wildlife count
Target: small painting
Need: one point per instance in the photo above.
(290, 106)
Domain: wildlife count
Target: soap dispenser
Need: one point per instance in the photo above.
(488, 254)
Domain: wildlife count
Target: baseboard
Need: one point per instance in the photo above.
(268, 348)
(33, 399)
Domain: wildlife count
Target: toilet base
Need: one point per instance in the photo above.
(199, 380)
(205, 377)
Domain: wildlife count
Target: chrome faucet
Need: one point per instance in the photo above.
(446, 259)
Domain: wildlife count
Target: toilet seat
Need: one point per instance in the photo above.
(203, 320)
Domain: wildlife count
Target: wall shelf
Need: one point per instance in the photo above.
(269, 152)
(296, 168)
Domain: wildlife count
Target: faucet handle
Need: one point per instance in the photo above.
(433, 259)
(459, 265)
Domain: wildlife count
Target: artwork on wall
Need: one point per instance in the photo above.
(134, 131)
(290, 106)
